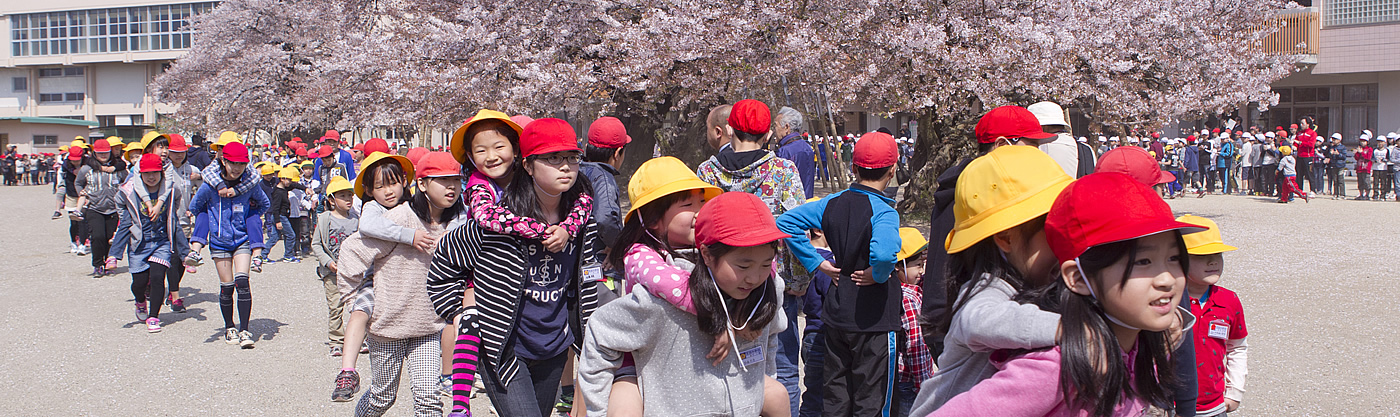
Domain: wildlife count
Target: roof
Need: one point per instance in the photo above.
(52, 121)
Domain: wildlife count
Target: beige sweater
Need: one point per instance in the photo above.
(401, 306)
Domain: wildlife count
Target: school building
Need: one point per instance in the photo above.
(85, 61)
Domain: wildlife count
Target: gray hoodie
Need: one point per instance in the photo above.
(670, 349)
(989, 321)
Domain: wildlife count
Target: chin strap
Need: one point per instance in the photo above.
(1110, 317)
(729, 323)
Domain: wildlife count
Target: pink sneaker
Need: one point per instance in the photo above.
(111, 263)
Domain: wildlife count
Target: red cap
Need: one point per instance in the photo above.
(296, 139)
(521, 120)
(1215, 130)
(1191, 139)
(375, 145)
(303, 153)
(1135, 162)
(1293, 126)
(177, 143)
(875, 150)
(324, 151)
(330, 135)
(1106, 207)
(1156, 135)
(101, 146)
(358, 147)
(236, 152)
(750, 116)
(416, 154)
(548, 136)
(1010, 122)
(151, 163)
(608, 132)
(736, 219)
(75, 153)
(437, 164)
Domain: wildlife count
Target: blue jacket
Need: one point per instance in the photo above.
(131, 226)
(1190, 159)
(1226, 157)
(223, 223)
(794, 149)
(856, 245)
(345, 159)
(607, 206)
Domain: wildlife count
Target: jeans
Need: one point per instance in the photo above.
(1363, 183)
(289, 236)
(789, 350)
(531, 393)
(1339, 186)
(907, 392)
(813, 357)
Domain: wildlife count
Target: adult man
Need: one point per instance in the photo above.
(1307, 150)
(1062, 149)
(717, 132)
(792, 147)
(332, 138)
(1247, 146)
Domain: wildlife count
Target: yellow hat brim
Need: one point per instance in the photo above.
(1013, 214)
(459, 145)
(376, 157)
(683, 184)
(1210, 249)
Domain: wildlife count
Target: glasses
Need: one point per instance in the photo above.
(557, 159)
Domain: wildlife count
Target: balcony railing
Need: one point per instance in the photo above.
(1296, 35)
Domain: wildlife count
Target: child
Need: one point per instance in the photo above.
(272, 228)
(171, 149)
(1380, 171)
(225, 224)
(607, 143)
(286, 206)
(383, 185)
(97, 196)
(403, 326)
(997, 250)
(738, 242)
(1287, 173)
(1122, 275)
(213, 175)
(862, 312)
(546, 312)
(1363, 156)
(332, 230)
(487, 146)
(309, 201)
(915, 362)
(150, 207)
(1221, 349)
(813, 343)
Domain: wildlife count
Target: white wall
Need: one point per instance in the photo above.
(1388, 108)
(13, 103)
(119, 83)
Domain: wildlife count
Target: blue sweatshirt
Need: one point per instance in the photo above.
(229, 219)
(856, 246)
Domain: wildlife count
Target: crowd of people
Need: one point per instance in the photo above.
(1058, 281)
(27, 169)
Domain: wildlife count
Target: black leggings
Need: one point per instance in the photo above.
(300, 230)
(149, 287)
(174, 275)
(103, 227)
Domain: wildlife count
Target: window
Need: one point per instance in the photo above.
(73, 97)
(137, 119)
(50, 98)
(140, 28)
(50, 72)
(21, 84)
(106, 120)
(1356, 12)
(73, 72)
(40, 140)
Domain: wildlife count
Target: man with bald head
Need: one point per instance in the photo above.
(717, 131)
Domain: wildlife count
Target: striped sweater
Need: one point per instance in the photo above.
(495, 263)
(401, 307)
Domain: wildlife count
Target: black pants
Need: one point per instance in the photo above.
(860, 370)
(303, 226)
(531, 393)
(1305, 174)
(174, 275)
(1339, 187)
(149, 287)
(103, 227)
(1270, 177)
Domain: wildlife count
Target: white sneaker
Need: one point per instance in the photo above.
(246, 339)
(72, 247)
(82, 250)
(231, 336)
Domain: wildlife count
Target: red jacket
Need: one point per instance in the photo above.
(1307, 144)
(1363, 159)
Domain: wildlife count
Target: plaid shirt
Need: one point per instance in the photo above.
(915, 362)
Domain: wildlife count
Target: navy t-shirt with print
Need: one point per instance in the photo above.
(543, 330)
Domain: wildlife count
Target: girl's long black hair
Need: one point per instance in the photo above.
(519, 195)
(634, 230)
(979, 264)
(708, 311)
(1093, 376)
(419, 203)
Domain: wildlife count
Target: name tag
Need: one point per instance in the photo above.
(238, 208)
(1219, 329)
(593, 272)
(751, 355)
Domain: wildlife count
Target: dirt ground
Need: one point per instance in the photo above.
(1314, 279)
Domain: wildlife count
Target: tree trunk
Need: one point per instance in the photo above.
(943, 141)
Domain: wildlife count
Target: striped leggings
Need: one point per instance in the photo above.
(386, 360)
(465, 360)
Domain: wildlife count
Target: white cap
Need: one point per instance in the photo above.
(1269, 134)
(1083, 139)
(1366, 132)
(1132, 139)
(1048, 113)
(1392, 135)
(1113, 139)
(1103, 139)
(1336, 136)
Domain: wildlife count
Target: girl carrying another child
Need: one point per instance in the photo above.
(150, 208)
(1120, 282)
(733, 292)
(403, 328)
(224, 224)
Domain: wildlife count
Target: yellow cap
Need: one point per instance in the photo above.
(459, 143)
(116, 142)
(1207, 242)
(1286, 150)
(360, 177)
(308, 164)
(79, 139)
(1000, 190)
(131, 147)
(660, 177)
(79, 143)
(338, 184)
(63, 149)
(911, 241)
(151, 137)
(267, 168)
(291, 173)
(227, 137)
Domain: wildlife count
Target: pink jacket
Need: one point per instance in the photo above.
(1028, 385)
